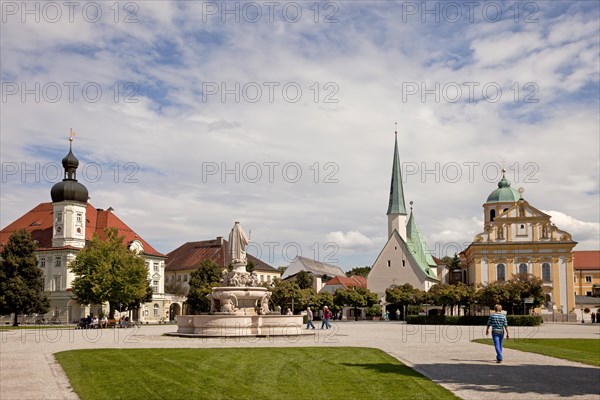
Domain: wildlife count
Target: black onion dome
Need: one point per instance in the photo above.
(70, 161)
(69, 189)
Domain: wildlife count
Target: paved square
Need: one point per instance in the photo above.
(445, 354)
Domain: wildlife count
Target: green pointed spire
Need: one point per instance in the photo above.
(396, 204)
(418, 247)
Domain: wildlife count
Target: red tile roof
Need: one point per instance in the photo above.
(40, 219)
(189, 255)
(589, 259)
(353, 281)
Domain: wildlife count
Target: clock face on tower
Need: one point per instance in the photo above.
(79, 230)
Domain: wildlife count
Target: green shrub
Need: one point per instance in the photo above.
(373, 311)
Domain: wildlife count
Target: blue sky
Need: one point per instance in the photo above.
(188, 93)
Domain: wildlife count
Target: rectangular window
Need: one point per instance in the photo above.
(262, 278)
(185, 278)
(575, 279)
(56, 283)
(588, 279)
(79, 218)
(58, 261)
(155, 286)
(389, 263)
(43, 262)
(178, 278)
(59, 216)
(588, 293)
(156, 266)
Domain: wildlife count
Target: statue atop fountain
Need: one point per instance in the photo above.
(240, 305)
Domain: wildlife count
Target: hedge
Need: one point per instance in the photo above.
(513, 320)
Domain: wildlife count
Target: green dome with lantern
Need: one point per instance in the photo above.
(504, 193)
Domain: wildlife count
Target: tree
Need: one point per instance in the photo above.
(202, 280)
(455, 262)
(176, 288)
(304, 279)
(107, 271)
(401, 296)
(324, 299)
(21, 280)
(493, 293)
(511, 294)
(354, 297)
(286, 294)
(522, 286)
(362, 271)
(466, 295)
(282, 269)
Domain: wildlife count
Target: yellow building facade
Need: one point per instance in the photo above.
(587, 272)
(519, 238)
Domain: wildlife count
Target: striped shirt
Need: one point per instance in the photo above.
(497, 321)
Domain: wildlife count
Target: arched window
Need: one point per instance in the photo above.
(156, 310)
(492, 215)
(500, 272)
(522, 268)
(546, 272)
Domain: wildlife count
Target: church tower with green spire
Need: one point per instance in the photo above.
(396, 208)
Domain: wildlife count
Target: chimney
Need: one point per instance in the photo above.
(219, 240)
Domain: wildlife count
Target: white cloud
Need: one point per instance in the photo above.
(586, 233)
(353, 241)
(172, 132)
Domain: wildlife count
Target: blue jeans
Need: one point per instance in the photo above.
(309, 324)
(498, 338)
(325, 324)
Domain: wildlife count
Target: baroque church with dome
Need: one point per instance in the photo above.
(61, 228)
(519, 238)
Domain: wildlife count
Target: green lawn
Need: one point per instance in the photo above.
(585, 351)
(245, 373)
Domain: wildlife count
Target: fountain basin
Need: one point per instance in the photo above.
(228, 325)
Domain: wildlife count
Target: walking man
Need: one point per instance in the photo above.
(497, 321)
(309, 318)
(326, 315)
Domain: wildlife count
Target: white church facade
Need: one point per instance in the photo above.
(404, 258)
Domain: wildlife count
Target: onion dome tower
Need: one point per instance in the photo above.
(69, 201)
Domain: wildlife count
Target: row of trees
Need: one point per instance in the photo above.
(509, 294)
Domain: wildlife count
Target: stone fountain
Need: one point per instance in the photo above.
(240, 306)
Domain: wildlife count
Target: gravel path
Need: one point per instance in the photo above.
(445, 354)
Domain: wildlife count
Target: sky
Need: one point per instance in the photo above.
(192, 115)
